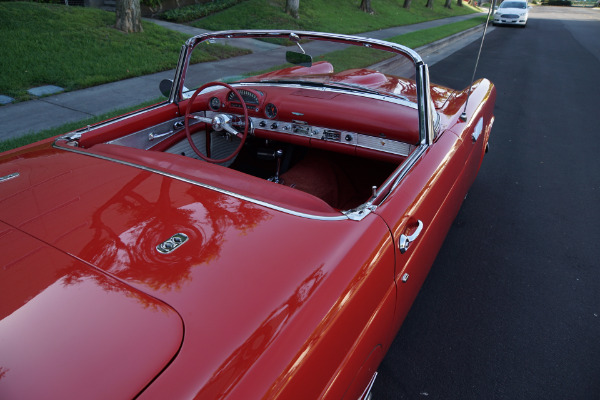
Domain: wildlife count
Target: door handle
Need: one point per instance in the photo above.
(405, 241)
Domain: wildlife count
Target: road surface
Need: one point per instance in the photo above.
(511, 308)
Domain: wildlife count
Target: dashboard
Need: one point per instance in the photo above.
(316, 116)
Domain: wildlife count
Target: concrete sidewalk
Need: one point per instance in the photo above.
(52, 111)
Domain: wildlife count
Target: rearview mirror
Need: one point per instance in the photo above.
(165, 87)
(298, 59)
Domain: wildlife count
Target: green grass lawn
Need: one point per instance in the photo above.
(336, 16)
(75, 47)
(363, 57)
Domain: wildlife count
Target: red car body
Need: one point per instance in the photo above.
(275, 292)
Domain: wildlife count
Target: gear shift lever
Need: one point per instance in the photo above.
(278, 156)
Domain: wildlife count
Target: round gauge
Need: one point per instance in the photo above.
(271, 110)
(214, 103)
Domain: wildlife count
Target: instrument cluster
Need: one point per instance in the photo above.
(266, 119)
(252, 99)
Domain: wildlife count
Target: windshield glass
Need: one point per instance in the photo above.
(320, 64)
(514, 4)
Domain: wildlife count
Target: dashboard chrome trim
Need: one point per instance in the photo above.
(150, 137)
(297, 128)
(384, 145)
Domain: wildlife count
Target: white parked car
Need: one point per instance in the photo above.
(512, 12)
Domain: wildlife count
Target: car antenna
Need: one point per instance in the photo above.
(463, 116)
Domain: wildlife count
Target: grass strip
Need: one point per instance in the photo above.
(76, 47)
(336, 16)
(197, 11)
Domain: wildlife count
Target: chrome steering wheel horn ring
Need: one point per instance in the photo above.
(219, 123)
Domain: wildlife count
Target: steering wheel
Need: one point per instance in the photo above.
(219, 123)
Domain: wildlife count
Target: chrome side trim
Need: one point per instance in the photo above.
(366, 394)
(9, 177)
(478, 129)
(407, 166)
(203, 185)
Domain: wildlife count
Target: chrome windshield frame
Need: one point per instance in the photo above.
(421, 71)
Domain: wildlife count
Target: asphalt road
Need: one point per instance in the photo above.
(511, 308)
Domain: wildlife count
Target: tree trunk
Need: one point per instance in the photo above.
(459, 3)
(292, 7)
(448, 4)
(429, 4)
(407, 4)
(365, 5)
(129, 16)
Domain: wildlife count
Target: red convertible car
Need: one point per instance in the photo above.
(261, 233)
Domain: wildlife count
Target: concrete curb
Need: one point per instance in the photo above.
(469, 35)
(430, 53)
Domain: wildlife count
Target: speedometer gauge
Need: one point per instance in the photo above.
(271, 110)
(247, 96)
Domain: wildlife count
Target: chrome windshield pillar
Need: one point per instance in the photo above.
(182, 64)
(426, 131)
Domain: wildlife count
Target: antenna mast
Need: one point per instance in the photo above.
(463, 116)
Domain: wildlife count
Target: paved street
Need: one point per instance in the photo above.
(511, 308)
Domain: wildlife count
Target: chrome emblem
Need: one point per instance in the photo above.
(172, 243)
(9, 177)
